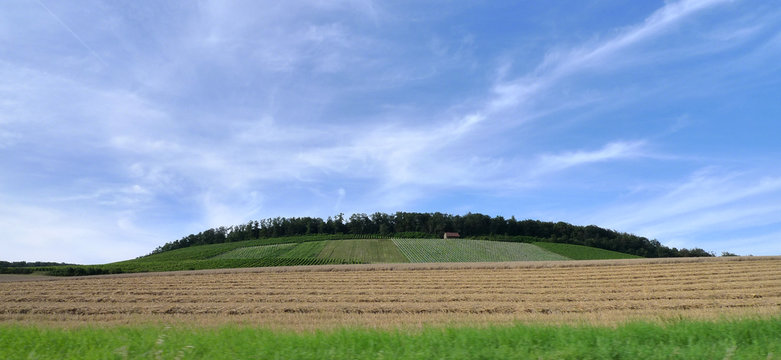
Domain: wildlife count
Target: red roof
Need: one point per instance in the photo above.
(452, 234)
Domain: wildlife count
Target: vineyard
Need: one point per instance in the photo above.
(330, 249)
(306, 250)
(256, 252)
(457, 250)
(369, 251)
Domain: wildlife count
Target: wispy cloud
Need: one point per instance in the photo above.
(765, 244)
(508, 94)
(611, 151)
(708, 202)
(657, 23)
(73, 33)
(71, 234)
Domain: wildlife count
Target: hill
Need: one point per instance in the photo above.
(433, 225)
(333, 249)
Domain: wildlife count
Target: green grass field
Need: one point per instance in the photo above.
(370, 251)
(580, 252)
(461, 250)
(682, 339)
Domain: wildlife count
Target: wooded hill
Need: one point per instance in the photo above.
(430, 225)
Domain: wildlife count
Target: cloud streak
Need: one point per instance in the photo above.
(75, 36)
(612, 151)
(509, 94)
(709, 202)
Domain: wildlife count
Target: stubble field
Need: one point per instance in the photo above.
(408, 295)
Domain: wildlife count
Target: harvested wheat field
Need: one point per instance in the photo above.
(409, 295)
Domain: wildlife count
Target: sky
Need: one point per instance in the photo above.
(126, 125)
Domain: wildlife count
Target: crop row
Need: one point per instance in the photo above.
(303, 298)
(460, 250)
(202, 252)
(256, 252)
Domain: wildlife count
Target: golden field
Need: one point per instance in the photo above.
(406, 295)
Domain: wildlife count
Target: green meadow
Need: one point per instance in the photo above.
(679, 339)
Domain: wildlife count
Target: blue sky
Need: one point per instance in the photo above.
(124, 125)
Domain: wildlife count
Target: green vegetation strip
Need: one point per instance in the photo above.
(580, 252)
(725, 339)
(463, 250)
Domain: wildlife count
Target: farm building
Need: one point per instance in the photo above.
(451, 235)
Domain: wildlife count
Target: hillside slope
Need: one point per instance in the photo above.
(325, 250)
(580, 252)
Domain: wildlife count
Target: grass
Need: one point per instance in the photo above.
(461, 250)
(682, 339)
(371, 251)
(580, 252)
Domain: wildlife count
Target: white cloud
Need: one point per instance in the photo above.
(510, 94)
(655, 24)
(765, 244)
(71, 234)
(706, 203)
(612, 151)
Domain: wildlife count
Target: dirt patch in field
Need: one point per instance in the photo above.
(408, 294)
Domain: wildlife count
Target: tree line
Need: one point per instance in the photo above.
(471, 225)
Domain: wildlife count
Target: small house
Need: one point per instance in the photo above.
(451, 235)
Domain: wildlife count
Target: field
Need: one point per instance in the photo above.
(306, 250)
(358, 250)
(460, 250)
(741, 339)
(580, 252)
(369, 251)
(700, 308)
(408, 294)
(256, 252)
(377, 251)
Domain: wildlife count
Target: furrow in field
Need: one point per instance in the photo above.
(326, 298)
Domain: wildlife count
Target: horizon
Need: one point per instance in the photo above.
(127, 126)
